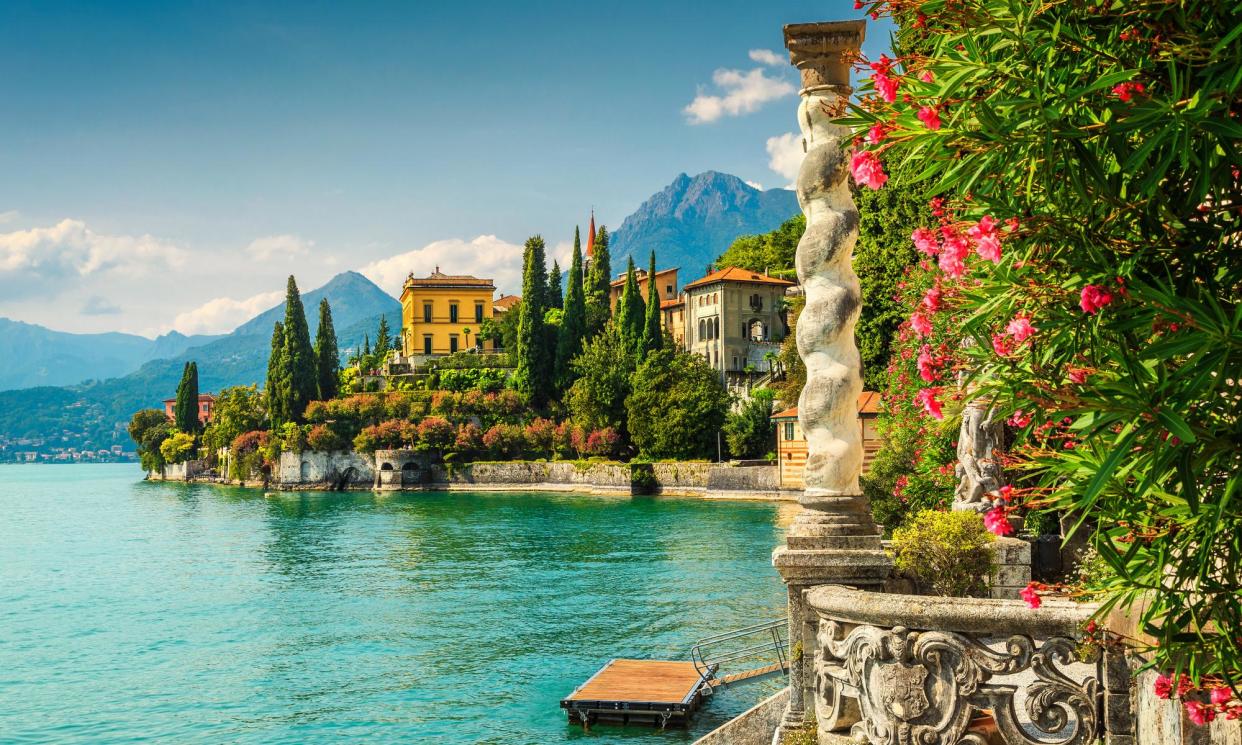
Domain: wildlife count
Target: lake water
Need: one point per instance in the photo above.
(192, 614)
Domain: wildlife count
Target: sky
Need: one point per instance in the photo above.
(166, 165)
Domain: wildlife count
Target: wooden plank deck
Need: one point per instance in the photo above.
(658, 690)
(758, 672)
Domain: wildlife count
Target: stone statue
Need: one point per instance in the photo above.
(978, 470)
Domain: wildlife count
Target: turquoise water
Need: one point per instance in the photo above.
(191, 614)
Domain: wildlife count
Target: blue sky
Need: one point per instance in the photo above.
(167, 164)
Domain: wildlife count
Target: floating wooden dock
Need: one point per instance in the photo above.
(650, 691)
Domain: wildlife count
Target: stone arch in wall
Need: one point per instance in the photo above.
(305, 471)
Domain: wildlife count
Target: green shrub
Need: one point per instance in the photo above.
(947, 553)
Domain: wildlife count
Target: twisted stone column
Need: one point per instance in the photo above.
(833, 538)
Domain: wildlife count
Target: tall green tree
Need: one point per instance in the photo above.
(327, 357)
(677, 406)
(533, 358)
(185, 410)
(749, 431)
(653, 326)
(237, 410)
(772, 253)
(630, 310)
(300, 379)
(555, 297)
(597, 287)
(573, 322)
(603, 370)
(274, 388)
(383, 339)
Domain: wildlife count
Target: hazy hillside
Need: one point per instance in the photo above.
(93, 414)
(32, 355)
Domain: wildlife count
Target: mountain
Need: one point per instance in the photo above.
(32, 355)
(693, 220)
(94, 414)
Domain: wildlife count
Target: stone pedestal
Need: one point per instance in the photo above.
(833, 540)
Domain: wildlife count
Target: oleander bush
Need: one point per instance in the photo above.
(1087, 159)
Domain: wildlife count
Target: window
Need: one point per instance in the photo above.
(743, 329)
(426, 312)
(478, 312)
(702, 330)
(716, 328)
(426, 343)
(735, 367)
(452, 312)
(789, 430)
(668, 291)
(452, 342)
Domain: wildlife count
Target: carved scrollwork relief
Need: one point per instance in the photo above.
(925, 687)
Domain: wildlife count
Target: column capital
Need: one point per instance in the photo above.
(824, 52)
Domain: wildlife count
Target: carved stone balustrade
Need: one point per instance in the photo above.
(912, 670)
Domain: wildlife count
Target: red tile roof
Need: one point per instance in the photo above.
(506, 302)
(734, 274)
(673, 303)
(868, 403)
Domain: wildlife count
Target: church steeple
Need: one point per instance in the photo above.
(590, 249)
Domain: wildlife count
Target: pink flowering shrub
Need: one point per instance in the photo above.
(1088, 250)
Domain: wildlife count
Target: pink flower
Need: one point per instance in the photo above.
(931, 299)
(953, 253)
(867, 169)
(997, 521)
(920, 324)
(1078, 375)
(1093, 298)
(1006, 492)
(1019, 419)
(1001, 345)
(1030, 596)
(927, 397)
(1124, 91)
(886, 87)
(1020, 329)
(930, 116)
(987, 239)
(926, 76)
(877, 133)
(1221, 695)
(1200, 714)
(928, 364)
(1163, 687)
(925, 241)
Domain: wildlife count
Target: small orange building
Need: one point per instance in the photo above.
(206, 402)
(665, 282)
(791, 445)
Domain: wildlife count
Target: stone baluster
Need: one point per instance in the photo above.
(833, 538)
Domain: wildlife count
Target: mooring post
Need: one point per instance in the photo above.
(833, 539)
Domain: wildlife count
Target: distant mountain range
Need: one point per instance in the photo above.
(93, 414)
(693, 220)
(32, 355)
(86, 386)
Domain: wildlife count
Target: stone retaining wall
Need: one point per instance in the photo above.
(596, 478)
(316, 470)
(754, 727)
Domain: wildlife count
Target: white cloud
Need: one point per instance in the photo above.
(486, 256)
(785, 154)
(9, 216)
(755, 185)
(282, 246)
(97, 306)
(223, 314)
(767, 57)
(32, 259)
(744, 92)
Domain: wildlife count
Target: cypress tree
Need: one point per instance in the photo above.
(366, 345)
(327, 358)
(555, 299)
(599, 308)
(300, 382)
(653, 328)
(382, 339)
(534, 363)
(275, 366)
(185, 410)
(629, 318)
(573, 322)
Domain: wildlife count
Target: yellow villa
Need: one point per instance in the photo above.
(442, 313)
